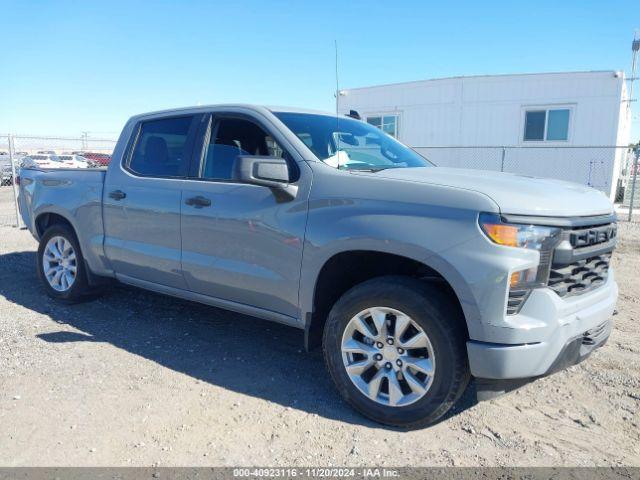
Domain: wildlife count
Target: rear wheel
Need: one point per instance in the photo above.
(61, 266)
(396, 351)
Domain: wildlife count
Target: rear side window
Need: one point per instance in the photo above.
(161, 148)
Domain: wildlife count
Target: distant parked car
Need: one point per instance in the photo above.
(102, 159)
(47, 152)
(41, 161)
(6, 175)
(74, 161)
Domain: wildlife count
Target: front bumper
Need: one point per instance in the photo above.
(574, 352)
(565, 339)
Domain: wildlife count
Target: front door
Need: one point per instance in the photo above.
(142, 202)
(240, 242)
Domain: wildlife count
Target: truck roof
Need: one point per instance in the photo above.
(204, 108)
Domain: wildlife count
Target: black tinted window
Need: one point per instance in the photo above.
(231, 138)
(161, 148)
(534, 125)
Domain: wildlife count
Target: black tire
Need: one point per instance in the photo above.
(80, 290)
(441, 320)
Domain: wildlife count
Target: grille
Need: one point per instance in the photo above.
(580, 276)
(587, 237)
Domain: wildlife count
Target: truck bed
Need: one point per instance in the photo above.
(75, 191)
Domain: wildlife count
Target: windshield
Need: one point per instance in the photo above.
(350, 144)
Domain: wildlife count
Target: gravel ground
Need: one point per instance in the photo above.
(134, 378)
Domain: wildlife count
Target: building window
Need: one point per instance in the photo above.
(387, 123)
(547, 125)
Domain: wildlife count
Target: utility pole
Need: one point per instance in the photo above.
(635, 47)
(337, 82)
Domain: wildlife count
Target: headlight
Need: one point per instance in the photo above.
(533, 237)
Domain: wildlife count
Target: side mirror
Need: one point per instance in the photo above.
(272, 172)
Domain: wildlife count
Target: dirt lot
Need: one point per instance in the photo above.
(134, 378)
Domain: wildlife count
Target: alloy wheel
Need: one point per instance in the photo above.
(59, 263)
(388, 356)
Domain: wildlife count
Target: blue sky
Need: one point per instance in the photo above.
(70, 66)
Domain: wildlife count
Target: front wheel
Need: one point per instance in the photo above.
(395, 349)
(61, 266)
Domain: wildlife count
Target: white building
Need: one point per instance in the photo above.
(535, 116)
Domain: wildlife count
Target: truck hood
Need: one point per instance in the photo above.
(514, 194)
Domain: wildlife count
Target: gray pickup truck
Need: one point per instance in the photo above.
(412, 278)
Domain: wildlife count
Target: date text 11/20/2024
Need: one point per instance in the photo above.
(328, 472)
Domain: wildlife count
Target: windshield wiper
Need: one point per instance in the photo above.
(361, 169)
(372, 169)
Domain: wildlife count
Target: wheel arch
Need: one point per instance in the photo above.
(345, 269)
(45, 220)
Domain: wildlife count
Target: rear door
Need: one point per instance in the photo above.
(240, 242)
(142, 199)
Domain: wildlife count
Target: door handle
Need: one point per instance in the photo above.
(198, 201)
(117, 195)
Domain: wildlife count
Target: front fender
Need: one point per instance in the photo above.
(416, 232)
(314, 262)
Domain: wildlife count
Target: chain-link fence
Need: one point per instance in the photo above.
(609, 169)
(592, 166)
(632, 192)
(606, 168)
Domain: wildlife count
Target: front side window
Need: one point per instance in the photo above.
(547, 125)
(350, 144)
(387, 123)
(161, 148)
(231, 137)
